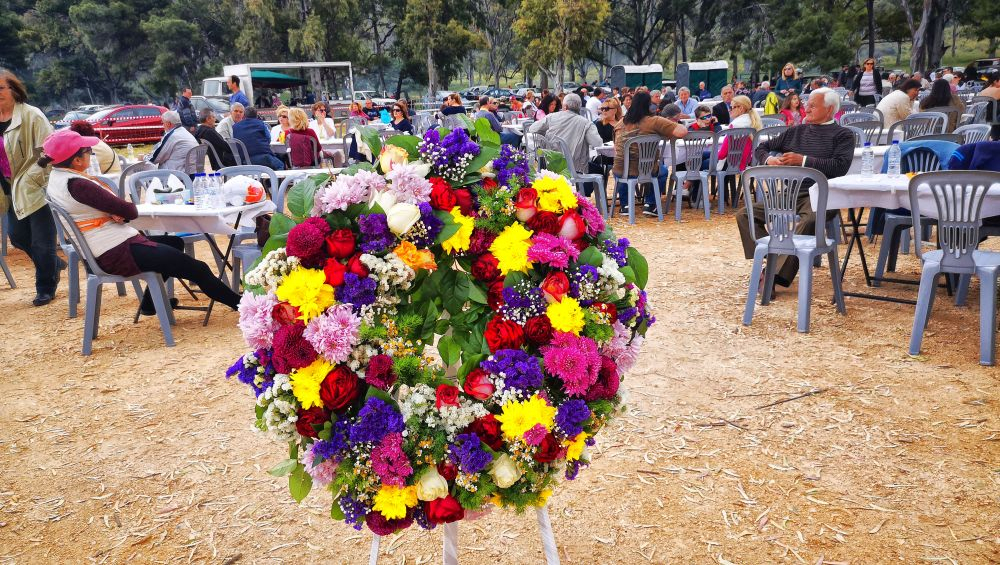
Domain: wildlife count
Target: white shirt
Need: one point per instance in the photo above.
(594, 108)
(321, 131)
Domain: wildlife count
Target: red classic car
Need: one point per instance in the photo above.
(129, 124)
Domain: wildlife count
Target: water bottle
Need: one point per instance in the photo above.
(94, 168)
(131, 152)
(200, 192)
(218, 198)
(867, 160)
(894, 157)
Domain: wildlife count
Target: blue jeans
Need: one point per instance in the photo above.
(650, 196)
(510, 138)
(268, 160)
(36, 236)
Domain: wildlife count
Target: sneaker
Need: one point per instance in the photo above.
(649, 210)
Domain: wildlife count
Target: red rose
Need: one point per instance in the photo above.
(503, 334)
(444, 510)
(546, 222)
(334, 271)
(355, 265)
(555, 286)
(448, 470)
(606, 386)
(285, 314)
(488, 430)
(486, 268)
(606, 308)
(315, 416)
(464, 197)
(478, 385)
(339, 389)
(538, 331)
(340, 243)
(571, 225)
(525, 204)
(442, 198)
(549, 450)
(446, 395)
(494, 296)
(489, 185)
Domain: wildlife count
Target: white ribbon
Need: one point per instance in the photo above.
(450, 548)
(373, 556)
(548, 540)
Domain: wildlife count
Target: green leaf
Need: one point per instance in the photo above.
(486, 154)
(486, 134)
(471, 361)
(380, 394)
(372, 139)
(555, 162)
(458, 294)
(407, 142)
(591, 256)
(299, 483)
(335, 512)
(639, 265)
(281, 224)
(283, 468)
(476, 294)
(466, 123)
(448, 349)
(628, 273)
(513, 278)
(353, 169)
(302, 196)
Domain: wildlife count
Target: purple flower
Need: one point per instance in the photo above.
(426, 230)
(420, 517)
(337, 445)
(374, 421)
(356, 291)
(617, 251)
(521, 302)
(468, 454)
(450, 156)
(571, 416)
(518, 369)
(512, 164)
(354, 511)
(375, 234)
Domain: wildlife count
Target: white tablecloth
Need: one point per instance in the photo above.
(185, 218)
(306, 172)
(877, 150)
(856, 191)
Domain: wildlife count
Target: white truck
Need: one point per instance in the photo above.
(295, 84)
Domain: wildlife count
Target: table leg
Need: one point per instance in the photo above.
(224, 257)
(854, 215)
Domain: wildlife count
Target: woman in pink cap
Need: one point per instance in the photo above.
(103, 218)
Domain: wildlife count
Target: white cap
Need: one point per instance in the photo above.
(948, 77)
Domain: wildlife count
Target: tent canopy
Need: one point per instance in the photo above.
(271, 79)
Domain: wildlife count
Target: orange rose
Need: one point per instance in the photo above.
(416, 258)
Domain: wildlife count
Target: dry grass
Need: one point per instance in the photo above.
(742, 444)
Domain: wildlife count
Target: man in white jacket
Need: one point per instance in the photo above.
(171, 152)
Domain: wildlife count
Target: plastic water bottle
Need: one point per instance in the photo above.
(867, 160)
(218, 200)
(894, 157)
(200, 191)
(131, 152)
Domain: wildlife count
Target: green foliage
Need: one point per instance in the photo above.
(448, 349)
(487, 137)
(299, 482)
(485, 488)
(639, 265)
(407, 142)
(555, 162)
(371, 333)
(301, 197)
(591, 256)
(407, 369)
(284, 468)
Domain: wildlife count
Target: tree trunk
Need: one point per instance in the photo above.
(431, 73)
(871, 28)
(935, 34)
(991, 50)
(918, 57)
(684, 49)
(899, 52)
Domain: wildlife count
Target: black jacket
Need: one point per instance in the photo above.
(222, 149)
(721, 112)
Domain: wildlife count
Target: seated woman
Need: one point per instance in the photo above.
(106, 157)
(278, 131)
(102, 217)
(302, 152)
(792, 110)
(640, 120)
(453, 105)
(357, 112)
(400, 117)
(611, 114)
(550, 105)
(941, 96)
(321, 123)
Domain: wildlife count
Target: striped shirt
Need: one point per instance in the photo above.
(827, 147)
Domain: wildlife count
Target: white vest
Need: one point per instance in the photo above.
(101, 239)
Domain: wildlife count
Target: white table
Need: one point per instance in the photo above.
(332, 144)
(878, 151)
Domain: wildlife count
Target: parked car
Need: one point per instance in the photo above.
(218, 105)
(74, 115)
(134, 123)
(379, 100)
(503, 96)
(570, 86)
(475, 92)
(440, 95)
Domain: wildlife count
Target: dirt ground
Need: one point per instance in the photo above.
(146, 454)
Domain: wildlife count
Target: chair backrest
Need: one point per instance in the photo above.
(695, 144)
(240, 153)
(772, 122)
(872, 130)
(559, 144)
(69, 233)
(453, 122)
(958, 197)
(916, 125)
(973, 133)
(194, 161)
(952, 115)
(538, 142)
(213, 154)
(138, 182)
(112, 183)
(849, 106)
(940, 120)
(778, 189)
(954, 138)
(129, 171)
(259, 173)
(738, 140)
(762, 135)
(920, 160)
(859, 135)
(647, 155)
(297, 138)
(851, 118)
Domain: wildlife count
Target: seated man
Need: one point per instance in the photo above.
(721, 110)
(579, 133)
(256, 136)
(687, 104)
(487, 109)
(820, 144)
(206, 132)
(225, 127)
(171, 152)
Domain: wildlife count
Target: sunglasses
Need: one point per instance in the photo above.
(605, 108)
(282, 117)
(319, 111)
(397, 110)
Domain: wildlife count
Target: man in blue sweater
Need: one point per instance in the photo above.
(237, 94)
(255, 134)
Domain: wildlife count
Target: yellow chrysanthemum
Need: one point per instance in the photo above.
(305, 382)
(392, 502)
(543, 497)
(574, 447)
(566, 315)
(518, 417)
(462, 238)
(307, 290)
(511, 248)
(555, 194)
(415, 258)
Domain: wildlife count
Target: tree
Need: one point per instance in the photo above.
(982, 19)
(436, 30)
(639, 28)
(111, 32)
(495, 22)
(556, 31)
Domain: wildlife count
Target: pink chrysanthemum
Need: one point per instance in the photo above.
(591, 216)
(552, 250)
(321, 474)
(535, 435)
(334, 333)
(256, 322)
(620, 350)
(347, 190)
(409, 184)
(389, 462)
(574, 360)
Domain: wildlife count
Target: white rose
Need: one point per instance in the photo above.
(401, 217)
(505, 472)
(431, 486)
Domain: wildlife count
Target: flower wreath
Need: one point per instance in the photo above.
(438, 333)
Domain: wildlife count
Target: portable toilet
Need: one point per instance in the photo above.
(715, 75)
(634, 76)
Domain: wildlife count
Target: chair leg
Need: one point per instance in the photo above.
(631, 200)
(925, 297)
(74, 283)
(805, 292)
(91, 312)
(121, 289)
(6, 273)
(237, 270)
(770, 270)
(963, 289)
(838, 290)
(163, 310)
(678, 197)
(704, 195)
(602, 198)
(758, 260)
(988, 317)
(720, 182)
(658, 199)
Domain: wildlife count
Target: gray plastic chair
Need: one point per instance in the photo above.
(213, 155)
(579, 179)
(920, 123)
(3, 251)
(849, 106)
(695, 145)
(767, 132)
(872, 130)
(852, 117)
(739, 139)
(647, 149)
(859, 135)
(240, 153)
(453, 122)
(772, 122)
(958, 198)
(136, 184)
(973, 133)
(954, 138)
(98, 277)
(194, 160)
(129, 171)
(780, 187)
(952, 115)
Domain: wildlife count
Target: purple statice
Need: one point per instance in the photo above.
(468, 454)
(420, 517)
(375, 420)
(375, 234)
(425, 231)
(584, 284)
(573, 468)
(336, 447)
(625, 315)
(354, 511)
(356, 291)
(450, 156)
(511, 167)
(571, 416)
(518, 369)
(248, 367)
(522, 301)
(617, 251)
